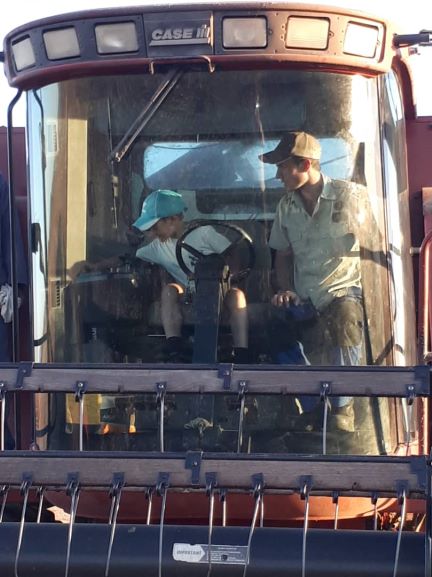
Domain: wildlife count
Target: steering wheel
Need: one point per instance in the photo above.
(242, 235)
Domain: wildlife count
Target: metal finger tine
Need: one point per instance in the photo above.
(162, 490)
(409, 409)
(324, 437)
(80, 389)
(223, 499)
(409, 416)
(111, 513)
(304, 494)
(25, 489)
(81, 424)
(160, 402)
(115, 493)
(375, 513)
(41, 493)
(211, 513)
(115, 489)
(325, 389)
(336, 504)
(402, 500)
(72, 490)
(258, 493)
(262, 512)
(3, 414)
(242, 397)
(149, 496)
(4, 490)
(210, 490)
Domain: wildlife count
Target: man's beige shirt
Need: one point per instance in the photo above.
(325, 246)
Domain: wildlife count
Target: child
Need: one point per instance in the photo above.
(162, 215)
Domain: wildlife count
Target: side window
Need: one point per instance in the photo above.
(396, 193)
(394, 129)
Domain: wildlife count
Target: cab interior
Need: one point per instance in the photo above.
(203, 141)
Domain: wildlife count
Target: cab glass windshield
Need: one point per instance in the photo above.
(133, 164)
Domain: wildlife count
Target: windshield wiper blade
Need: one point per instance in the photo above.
(160, 94)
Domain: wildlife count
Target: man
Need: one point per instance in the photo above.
(317, 260)
(162, 215)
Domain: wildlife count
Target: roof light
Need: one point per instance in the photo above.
(361, 40)
(23, 54)
(303, 32)
(61, 43)
(119, 37)
(244, 32)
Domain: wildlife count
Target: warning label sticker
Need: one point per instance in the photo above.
(220, 554)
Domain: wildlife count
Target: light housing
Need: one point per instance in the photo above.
(307, 33)
(244, 32)
(361, 40)
(116, 38)
(61, 43)
(23, 54)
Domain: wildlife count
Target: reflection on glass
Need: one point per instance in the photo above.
(102, 303)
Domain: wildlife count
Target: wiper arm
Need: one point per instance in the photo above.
(159, 96)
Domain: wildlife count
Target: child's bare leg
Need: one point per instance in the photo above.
(235, 301)
(172, 319)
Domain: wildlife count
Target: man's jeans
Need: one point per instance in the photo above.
(336, 338)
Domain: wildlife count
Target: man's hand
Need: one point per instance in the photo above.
(285, 298)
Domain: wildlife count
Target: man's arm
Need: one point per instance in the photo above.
(284, 279)
(283, 265)
(283, 262)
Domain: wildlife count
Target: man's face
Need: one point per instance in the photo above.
(167, 228)
(292, 174)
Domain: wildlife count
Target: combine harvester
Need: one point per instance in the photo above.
(210, 467)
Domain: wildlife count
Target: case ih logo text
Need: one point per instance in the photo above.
(180, 35)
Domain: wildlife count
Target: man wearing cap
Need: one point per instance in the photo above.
(317, 261)
(162, 214)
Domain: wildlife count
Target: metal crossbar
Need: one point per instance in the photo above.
(282, 473)
(271, 379)
(275, 552)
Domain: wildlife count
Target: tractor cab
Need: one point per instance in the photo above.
(201, 133)
(183, 130)
(128, 106)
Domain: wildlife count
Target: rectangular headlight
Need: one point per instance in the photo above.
(23, 54)
(361, 40)
(304, 32)
(61, 43)
(116, 38)
(244, 32)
